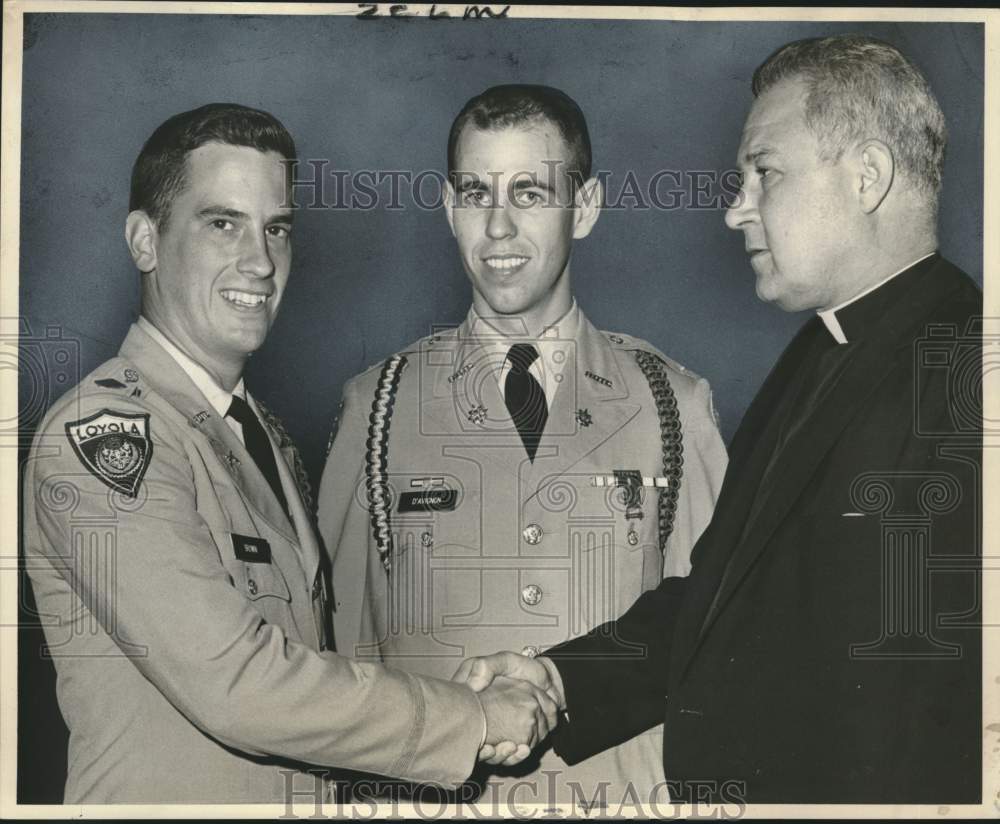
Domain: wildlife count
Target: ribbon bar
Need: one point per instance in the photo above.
(616, 480)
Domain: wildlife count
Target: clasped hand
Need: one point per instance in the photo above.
(521, 697)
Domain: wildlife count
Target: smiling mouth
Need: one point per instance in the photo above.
(245, 300)
(505, 264)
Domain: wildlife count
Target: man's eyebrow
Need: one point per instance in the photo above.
(467, 183)
(284, 216)
(757, 154)
(222, 211)
(531, 181)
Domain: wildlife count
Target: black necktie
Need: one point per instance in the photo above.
(525, 398)
(258, 445)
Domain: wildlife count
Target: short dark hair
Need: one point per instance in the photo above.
(858, 87)
(160, 170)
(515, 104)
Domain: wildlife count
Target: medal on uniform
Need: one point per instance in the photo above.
(632, 481)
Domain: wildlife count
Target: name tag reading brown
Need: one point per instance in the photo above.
(251, 550)
(436, 500)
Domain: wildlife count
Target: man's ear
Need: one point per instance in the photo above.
(141, 237)
(449, 196)
(587, 202)
(877, 170)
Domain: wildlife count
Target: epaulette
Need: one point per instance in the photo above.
(442, 336)
(627, 343)
(119, 378)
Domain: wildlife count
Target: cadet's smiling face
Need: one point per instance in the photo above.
(514, 218)
(223, 257)
(797, 211)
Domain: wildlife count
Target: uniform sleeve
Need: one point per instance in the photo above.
(209, 652)
(344, 526)
(705, 462)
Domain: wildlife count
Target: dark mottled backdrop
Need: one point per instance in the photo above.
(380, 95)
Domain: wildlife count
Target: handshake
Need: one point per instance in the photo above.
(521, 698)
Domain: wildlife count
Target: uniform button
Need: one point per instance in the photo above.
(252, 586)
(532, 595)
(532, 534)
(317, 589)
(530, 651)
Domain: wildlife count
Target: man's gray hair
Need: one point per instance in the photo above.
(859, 88)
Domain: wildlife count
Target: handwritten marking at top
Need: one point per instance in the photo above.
(402, 10)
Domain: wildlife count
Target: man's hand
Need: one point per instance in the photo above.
(518, 716)
(480, 674)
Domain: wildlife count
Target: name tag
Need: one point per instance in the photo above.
(436, 500)
(251, 550)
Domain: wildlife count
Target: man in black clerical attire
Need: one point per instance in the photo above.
(826, 646)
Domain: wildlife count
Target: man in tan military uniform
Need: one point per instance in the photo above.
(512, 483)
(169, 544)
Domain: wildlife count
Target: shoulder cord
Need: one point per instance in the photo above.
(377, 455)
(671, 437)
(285, 442)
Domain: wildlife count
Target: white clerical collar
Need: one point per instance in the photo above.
(829, 316)
(218, 397)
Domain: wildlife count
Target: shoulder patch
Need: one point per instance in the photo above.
(115, 447)
(110, 383)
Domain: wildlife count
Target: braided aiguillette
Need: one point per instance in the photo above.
(377, 456)
(671, 438)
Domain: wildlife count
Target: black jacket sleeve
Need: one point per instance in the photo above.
(615, 676)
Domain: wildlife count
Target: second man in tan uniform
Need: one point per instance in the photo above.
(516, 481)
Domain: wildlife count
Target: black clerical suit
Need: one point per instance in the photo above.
(839, 658)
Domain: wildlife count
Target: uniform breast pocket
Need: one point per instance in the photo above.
(264, 580)
(254, 571)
